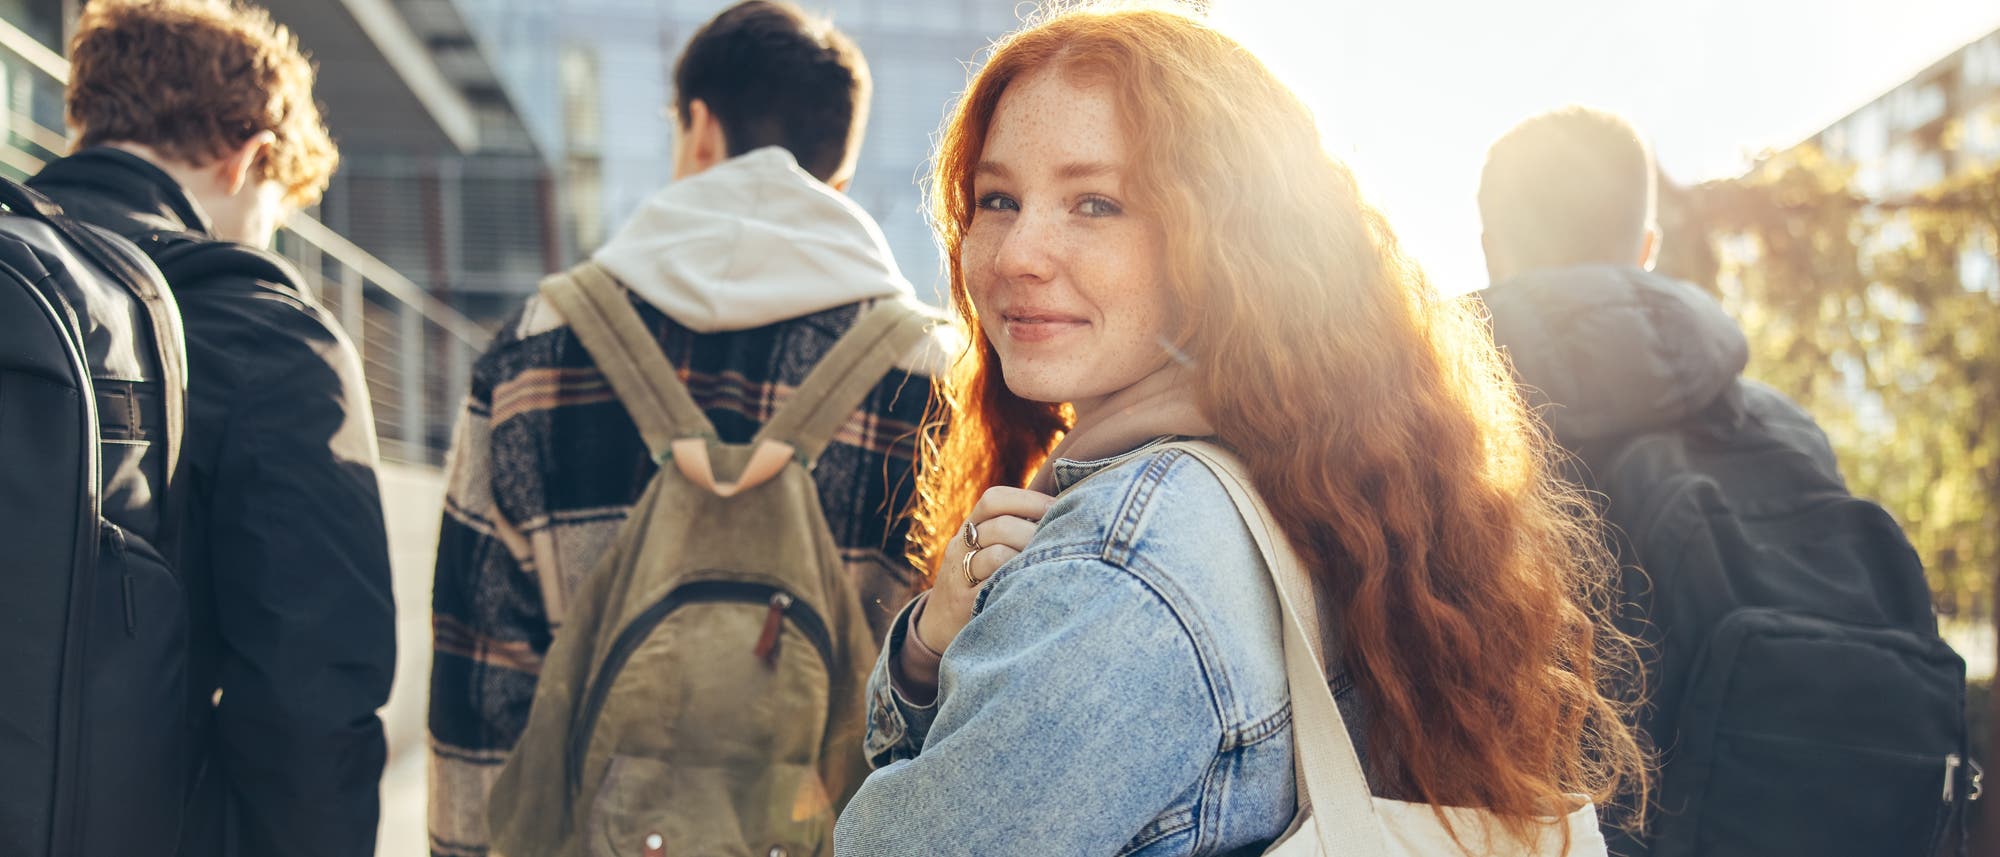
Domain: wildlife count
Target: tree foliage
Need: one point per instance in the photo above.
(1881, 318)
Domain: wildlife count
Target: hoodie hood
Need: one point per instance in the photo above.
(1607, 350)
(749, 242)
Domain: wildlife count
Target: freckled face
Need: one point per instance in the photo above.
(1066, 278)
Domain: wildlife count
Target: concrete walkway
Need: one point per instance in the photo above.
(412, 499)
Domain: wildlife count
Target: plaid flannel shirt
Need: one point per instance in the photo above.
(544, 469)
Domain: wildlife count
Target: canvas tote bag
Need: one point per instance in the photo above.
(1338, 816)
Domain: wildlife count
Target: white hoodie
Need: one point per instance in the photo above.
(752, 241)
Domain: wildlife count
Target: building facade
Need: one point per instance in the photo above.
(1937, 126)
(470, 213)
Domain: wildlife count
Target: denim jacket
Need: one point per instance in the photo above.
(1120, 689)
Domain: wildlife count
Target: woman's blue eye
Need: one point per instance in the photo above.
(998, 202)
(1097, 206)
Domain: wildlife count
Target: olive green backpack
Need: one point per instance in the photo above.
(704, 695)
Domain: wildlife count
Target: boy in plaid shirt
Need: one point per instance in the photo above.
(747, 269)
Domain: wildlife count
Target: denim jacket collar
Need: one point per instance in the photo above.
(1069, 472)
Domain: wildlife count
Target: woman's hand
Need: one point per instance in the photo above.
(1005, 519)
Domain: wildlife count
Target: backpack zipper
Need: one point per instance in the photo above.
(116, 536)
(781, 605)
(766, 649)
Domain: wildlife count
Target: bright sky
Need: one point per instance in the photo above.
(1410, 92)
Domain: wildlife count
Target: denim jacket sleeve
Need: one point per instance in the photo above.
(896, 725)
(1071, 712)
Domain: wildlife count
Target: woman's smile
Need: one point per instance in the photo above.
(1030, 325)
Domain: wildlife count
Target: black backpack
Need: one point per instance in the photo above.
(96, 752)
(1799, 693)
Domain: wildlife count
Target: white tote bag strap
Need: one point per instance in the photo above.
(1331, 783)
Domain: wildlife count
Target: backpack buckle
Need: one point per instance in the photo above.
(1974, 774)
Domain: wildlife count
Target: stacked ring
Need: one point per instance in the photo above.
(965, 565)
(971, 533)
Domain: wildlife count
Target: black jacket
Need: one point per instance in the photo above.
(285, 555)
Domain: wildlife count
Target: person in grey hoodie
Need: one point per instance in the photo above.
(747, 269)
(1607, 351)
(1567, 202)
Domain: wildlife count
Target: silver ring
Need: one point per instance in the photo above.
(971, 533)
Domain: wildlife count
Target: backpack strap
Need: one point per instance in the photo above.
(188, 259)
(828, 397)
(143, 280)
(601, 314)
(674, 427)
(816, 411)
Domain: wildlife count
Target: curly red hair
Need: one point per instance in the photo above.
(1374, 415)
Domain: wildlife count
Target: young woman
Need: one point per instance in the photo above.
(1146, 231)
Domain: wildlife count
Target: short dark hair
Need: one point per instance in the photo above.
(1567, 187)
(772, 76)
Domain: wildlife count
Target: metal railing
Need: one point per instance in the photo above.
(416, 351)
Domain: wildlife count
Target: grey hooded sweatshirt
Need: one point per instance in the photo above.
(1606, 352)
